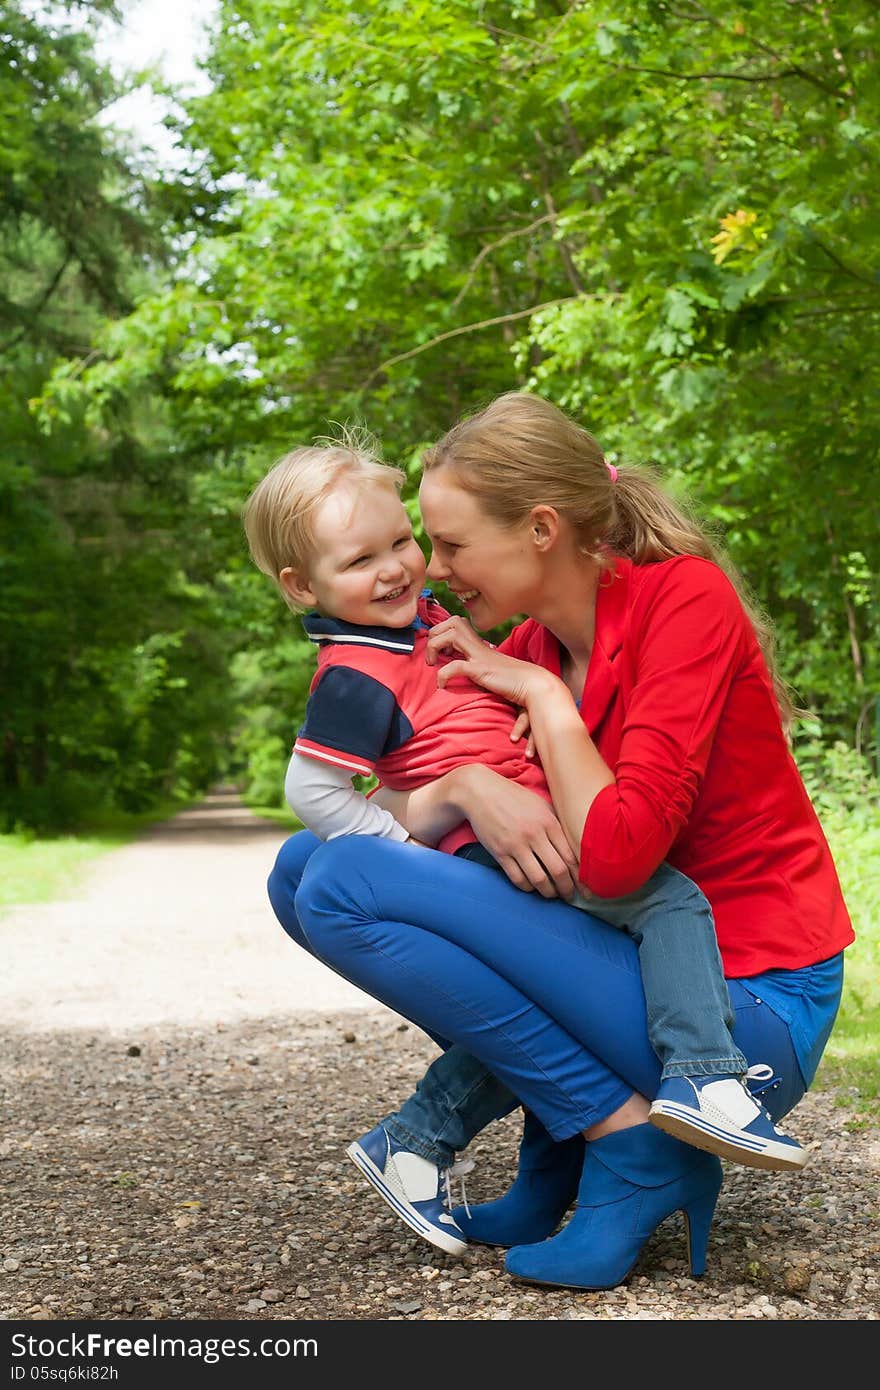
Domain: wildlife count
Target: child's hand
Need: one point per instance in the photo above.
(522, 728)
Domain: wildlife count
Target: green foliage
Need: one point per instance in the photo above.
(111, 659)
(662, 217)
(847, 799)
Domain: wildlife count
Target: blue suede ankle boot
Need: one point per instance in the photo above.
(545, 1187)
(632, 1180)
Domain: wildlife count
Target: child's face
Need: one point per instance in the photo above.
(367, 567)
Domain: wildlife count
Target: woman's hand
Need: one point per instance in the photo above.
(521, 830)
(517, 681)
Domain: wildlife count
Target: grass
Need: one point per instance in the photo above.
(277, 814)
(39, 868)
(852, 1057)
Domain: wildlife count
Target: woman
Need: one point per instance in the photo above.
(649, 687)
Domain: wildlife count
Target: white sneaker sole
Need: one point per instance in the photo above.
(685, 1124)
(449, 1243)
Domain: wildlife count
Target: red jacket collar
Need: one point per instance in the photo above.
(612, 605)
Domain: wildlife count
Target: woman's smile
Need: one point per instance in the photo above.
(482, 563)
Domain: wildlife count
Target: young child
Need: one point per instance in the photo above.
(327, 526)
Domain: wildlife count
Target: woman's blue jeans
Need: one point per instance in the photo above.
(687, 1003)
(544, 1003)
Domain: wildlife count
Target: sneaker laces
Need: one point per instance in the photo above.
(458, 1170)
(760, 1072)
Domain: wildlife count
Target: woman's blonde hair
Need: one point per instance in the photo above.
(522, 451)
(278, 514)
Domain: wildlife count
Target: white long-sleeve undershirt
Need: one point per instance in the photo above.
(322, 796)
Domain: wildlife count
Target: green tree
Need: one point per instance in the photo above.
(659, 215)
(109, 658)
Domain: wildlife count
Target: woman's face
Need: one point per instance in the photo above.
(492, 570)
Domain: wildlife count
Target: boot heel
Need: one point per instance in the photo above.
(698, 1219)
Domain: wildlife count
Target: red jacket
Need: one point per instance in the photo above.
(680, 704)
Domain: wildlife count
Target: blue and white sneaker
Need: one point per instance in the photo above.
(720, 1114)
(414, 1187)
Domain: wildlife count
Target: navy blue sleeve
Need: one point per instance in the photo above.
(351, 720)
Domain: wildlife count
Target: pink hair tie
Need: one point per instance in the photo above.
(612, 472)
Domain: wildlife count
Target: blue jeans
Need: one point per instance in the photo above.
(689, 1013)
(548, 998)
(690, 1016)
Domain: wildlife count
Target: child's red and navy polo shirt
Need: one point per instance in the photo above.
(374, 707)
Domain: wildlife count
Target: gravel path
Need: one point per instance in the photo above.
(178, 1086)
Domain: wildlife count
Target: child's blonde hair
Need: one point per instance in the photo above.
(522, 451)
(278, 513)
